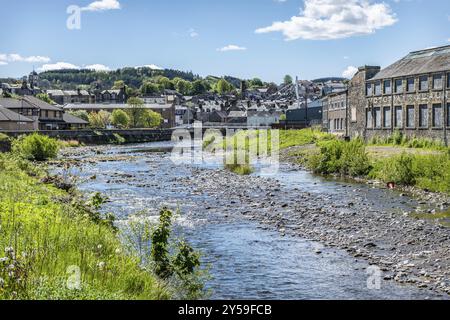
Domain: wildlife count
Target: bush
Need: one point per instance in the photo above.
(398, 169)
(36, 147)
(345, 158)
(120, 119)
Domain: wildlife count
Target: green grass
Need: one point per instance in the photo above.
(400, 140)
(48, 235)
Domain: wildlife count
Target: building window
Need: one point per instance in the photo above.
(423, 83)
(448, 114)
(377, 115)
(437, 116)
(387, 117)
(342, 124)
(399, 86)
(387, 87)
(423, 116)
(410, 114)
(369, 89)
(369, 118)
(448, 80)
(378, 88)
(437, 82)
(398, 117)
(411, 82)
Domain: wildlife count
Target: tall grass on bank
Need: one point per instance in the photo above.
(345, 158)
(52, 248)
(401, 140)
(429, 172)
(425, 171)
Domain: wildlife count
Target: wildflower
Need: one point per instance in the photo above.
(99, 247)
(4, 259)
(101, 265)
(118, 251)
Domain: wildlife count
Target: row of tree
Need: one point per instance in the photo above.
(134, 117)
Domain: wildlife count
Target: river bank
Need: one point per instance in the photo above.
(371, 224)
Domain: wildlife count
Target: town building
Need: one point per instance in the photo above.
(335, 113)
(410, 96)
(63, 97)
(44, 116)
(12, 121)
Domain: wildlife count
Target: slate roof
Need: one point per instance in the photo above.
(8, 115)
(418, 62)
(68, 118)
(112, 106)
(11, 103)
(41, 104)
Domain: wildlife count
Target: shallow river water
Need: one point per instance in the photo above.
(247, 260)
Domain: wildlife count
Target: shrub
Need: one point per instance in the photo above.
(36, 147)
(397, 169)
(345, 158)
(120, 119)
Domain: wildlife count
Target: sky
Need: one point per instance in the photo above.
(243, 38)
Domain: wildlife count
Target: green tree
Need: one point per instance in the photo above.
(224, 87)
(44, 97)
(100, 120)
(136, 111)
(149, 89)
(184, 87)
(200, 87)
(256, 82)
(120, 119)
(150, 119)
(288, 79)
(164, 83)
(119, 84)
(82, 114)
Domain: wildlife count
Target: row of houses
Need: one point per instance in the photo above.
(31, 114)
(410, 96)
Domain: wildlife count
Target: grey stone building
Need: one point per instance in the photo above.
(410, 96)
(335, 113)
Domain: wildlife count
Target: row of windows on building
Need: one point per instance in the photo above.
(399, 86)
(337, 105)
(406, 118)
(337, 124)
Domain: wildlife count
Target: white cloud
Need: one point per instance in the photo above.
(231, 47)
(334, 19)
(193, 33)
(3, 63)
(14, 57)
(97, 67)
(153, 67)
(103, 5)
(349, 72)
(58, 66)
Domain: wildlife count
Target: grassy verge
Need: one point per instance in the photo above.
(427, 169)
(55, 245)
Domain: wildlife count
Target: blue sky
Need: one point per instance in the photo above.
(314, 38)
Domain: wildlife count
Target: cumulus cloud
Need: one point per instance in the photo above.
(97, 67)
(57, 66)
(70, 66)
(349, 72)
(103, 5)
(334, 19)
(3, 63)
(193, 33)
(231, 47)
(15, 57)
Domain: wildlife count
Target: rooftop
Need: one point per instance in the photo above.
(418, 62)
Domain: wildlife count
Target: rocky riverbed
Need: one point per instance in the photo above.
(374, 225)
(407, 250)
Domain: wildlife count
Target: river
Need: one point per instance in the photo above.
(248, 260)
